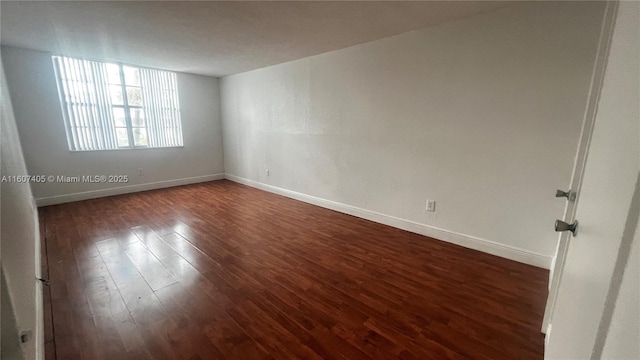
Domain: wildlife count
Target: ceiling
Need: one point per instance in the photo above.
(216, 38)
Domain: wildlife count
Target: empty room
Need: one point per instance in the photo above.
(320, 180)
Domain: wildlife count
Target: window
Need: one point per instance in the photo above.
(110, 106)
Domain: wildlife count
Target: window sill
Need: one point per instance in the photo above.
(125, 149)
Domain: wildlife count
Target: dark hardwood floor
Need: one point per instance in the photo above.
(223, 271)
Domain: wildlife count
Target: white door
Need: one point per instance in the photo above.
(581, 156)
(582, 294)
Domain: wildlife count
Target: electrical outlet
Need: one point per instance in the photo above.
(266, 171)
(140, 172)
(431, 205)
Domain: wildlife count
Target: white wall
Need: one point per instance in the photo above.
(20, 242)
(38, 114)
(481, 114)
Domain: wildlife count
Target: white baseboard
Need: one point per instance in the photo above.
(468, 241)
(93, 194)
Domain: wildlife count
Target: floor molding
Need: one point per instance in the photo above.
(468, 241)
(93, 194)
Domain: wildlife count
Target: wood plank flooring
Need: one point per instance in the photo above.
(219, 270)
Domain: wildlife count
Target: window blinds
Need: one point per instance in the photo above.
(91, 92)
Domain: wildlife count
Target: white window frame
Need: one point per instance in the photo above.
(88, 110)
